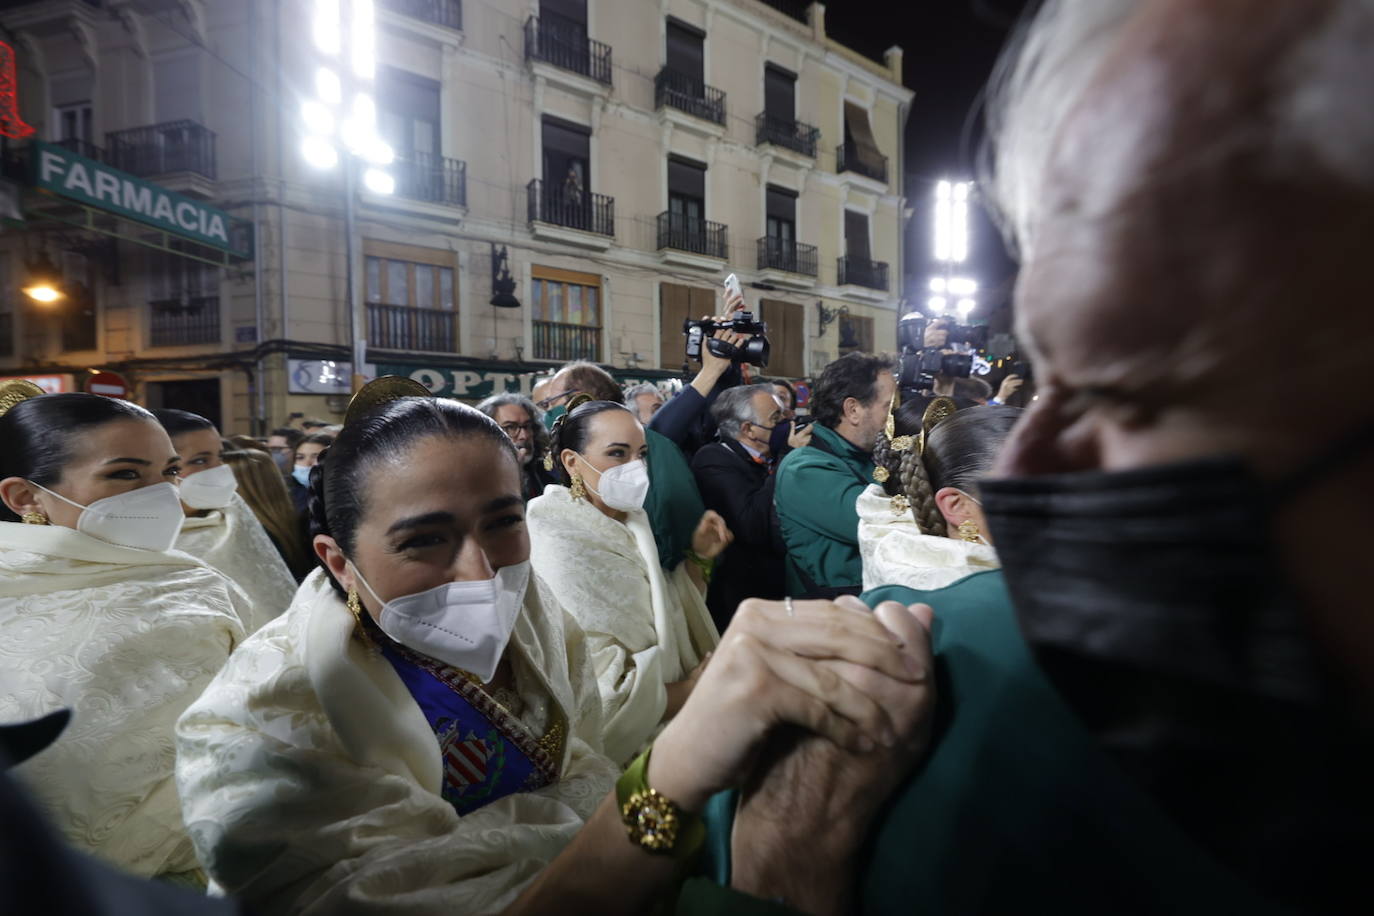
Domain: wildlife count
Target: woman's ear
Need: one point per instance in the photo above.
(19, 495)
(327, 549)
(568, 458)
(954, 505)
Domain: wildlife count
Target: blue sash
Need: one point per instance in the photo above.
(484, 751)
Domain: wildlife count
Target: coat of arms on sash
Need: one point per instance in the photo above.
(472, 765)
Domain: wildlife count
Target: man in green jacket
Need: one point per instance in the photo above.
(818, 486)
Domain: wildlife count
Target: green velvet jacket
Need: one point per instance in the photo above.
(815, 495)
(674, 504)
(1015, 810)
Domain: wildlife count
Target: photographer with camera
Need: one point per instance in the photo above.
(720, 347)
(736, 479)
(818, 487)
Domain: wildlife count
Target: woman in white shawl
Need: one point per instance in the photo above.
(648, 630)
(923, 526)
(220, 527)
(96, 614)
(420, 731)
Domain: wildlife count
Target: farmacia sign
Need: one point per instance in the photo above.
(68, 174)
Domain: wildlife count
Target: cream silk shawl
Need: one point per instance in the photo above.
(128, 639)
(645, 628)
(310, 779)
(896, 553)
(233, 541)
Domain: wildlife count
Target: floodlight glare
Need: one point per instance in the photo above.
(962, 286)
(936, 304)
(362, 39)
(43, 292)
(326, 26)
(937, 284)
(961, 190)
(328, 87)
(379, 152)
(319, 153)
(318, 119)
(958, 230)
(965, 306)
(379, 182)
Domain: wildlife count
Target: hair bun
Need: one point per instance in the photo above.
(319, 518)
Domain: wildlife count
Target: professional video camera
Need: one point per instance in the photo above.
(754, 350)
(921, 364)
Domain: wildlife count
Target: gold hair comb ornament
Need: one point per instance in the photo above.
(939, 409)
(381, 391)
(575, 402)
(16, 390)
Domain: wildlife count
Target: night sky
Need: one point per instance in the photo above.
(950, 47)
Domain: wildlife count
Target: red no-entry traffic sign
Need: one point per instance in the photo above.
(110, 384)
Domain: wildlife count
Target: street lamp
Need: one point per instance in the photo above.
(951, 249)
(340, 123)
(43, 282)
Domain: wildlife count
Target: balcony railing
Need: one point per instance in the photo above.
(82, 148)
(160, 149)
(404, 327)
(437, 179)
(784, 254)
(863, 272)
(572, 209)
(689, 94)
(565, 44)
(176, 322)
(566, 342)
(688, 233)
(448, 13)
(851, 160)
(785, 132)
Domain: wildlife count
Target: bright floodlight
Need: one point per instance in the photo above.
(937, 284)
(319, 152)
(362, 39)
(379, 152)
(943, 224)
(961, 190)
(43, 292)
(317, 119)
(958, 227)
(379, 182)
(328, 87)
(936, 304)
(962, 286)
(965, 306)
(326, 26)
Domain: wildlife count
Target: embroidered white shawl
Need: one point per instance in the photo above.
(895, 552)
(645, 627)
(128, 639)
(233, 541)
(310, 778)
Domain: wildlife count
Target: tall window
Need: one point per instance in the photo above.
(676, 304)
(686, 53)
(787, 334)
(183, 300)
(686, 193)
(567, 158)
(395, 282)
(74, 122)
(176, 88)
(567, 314)
(779, 93)
(781, 207)
(408, 112)
(856, 235)
(412, 298)
(567, 19)
(861, 153)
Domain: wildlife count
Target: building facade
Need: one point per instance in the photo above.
(623, 155)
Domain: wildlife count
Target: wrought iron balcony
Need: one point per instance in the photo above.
(687, 233)
(784, 254)
(404, 327)
(448, 13)
(437, 179)
(178, 322)
(851, 160)
(784, 132)
(566, 342)
(565, 45)
(689, 94)
(161, 149)
(571, 209)
(863, 272)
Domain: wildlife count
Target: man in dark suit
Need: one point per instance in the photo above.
(735, 477)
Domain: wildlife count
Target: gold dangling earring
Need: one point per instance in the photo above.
(355, 607)
(34, 518)
(579, 489)
(968, 531)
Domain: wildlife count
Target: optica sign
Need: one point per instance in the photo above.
(70, 175)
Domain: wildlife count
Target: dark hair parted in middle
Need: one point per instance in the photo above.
(854, 375)
(338, 492)
(176, 422)
(573, 429)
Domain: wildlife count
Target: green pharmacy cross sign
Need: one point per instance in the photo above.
(62, 172)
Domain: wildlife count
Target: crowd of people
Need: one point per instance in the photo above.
(735, 651)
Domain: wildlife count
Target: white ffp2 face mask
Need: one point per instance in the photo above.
(212, 488)
(149, 518)
(623, 487)
(463, 624)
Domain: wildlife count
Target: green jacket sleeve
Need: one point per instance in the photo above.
(674, 504)
(821, 498)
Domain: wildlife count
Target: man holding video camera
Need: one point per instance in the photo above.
(818, 487)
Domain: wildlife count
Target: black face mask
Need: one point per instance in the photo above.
(777, 438)
(1156, 604)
